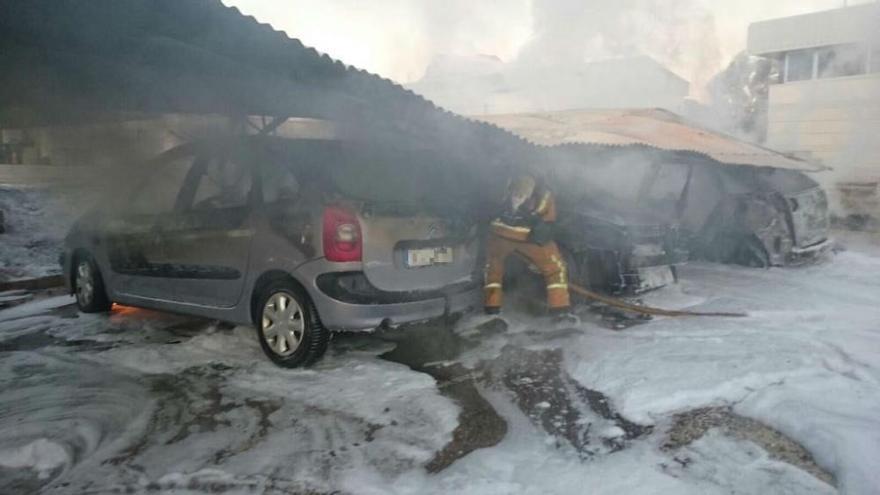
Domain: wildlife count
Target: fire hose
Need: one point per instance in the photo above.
(645, 310)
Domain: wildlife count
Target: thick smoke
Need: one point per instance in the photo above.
(398, 38)
(681, 35)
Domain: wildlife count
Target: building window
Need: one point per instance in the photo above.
(841, 61)
(830, 61)
(799, 65)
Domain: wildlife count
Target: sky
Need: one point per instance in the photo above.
(399, 38)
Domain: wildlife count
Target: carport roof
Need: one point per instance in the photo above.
(74, 61)
(655, 128)
(77, 62)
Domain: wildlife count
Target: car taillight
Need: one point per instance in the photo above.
(342, 235)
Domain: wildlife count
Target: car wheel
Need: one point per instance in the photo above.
(88, 286)
(288, 327)
(751, 253)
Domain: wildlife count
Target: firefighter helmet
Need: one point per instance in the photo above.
(520, 190)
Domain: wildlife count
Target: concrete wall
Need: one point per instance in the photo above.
(834, 120)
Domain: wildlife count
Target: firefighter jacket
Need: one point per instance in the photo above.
(530, 218)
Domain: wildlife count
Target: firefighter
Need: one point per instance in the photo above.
(525, 228)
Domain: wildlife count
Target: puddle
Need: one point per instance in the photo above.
(430, 349)
(575, 416)
(536, 382)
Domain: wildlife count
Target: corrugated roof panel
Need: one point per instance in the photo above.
(650, 127)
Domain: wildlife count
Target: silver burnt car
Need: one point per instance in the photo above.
(298, 238)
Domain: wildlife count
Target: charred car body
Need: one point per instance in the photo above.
(730, 200)
(618, 250)
(763, 217)
(297, 238)
(611, 244)
(607, 249)
(755, 216)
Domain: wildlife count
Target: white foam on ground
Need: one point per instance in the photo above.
(34, 308)
(36, 220)
(806, 361)
(41, 455)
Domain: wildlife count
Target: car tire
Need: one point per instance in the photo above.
(751, 253)
(299, 338)
(88, 286)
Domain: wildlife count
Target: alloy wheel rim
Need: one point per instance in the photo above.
(283, 324)
(85, 283)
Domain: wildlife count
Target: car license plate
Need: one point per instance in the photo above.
(428, 256)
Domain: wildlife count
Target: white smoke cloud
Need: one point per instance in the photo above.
(679, 34)
(399, 38)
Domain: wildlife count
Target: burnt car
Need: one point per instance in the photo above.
(742, 214)
(611, 243)
(297, 238)
(629, 215)
(613, 251)
(752, 216)
(616, 249)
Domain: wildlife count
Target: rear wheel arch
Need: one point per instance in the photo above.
(754, 252)
(266, 279)
(315, 338)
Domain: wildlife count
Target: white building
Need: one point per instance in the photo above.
(827, 104)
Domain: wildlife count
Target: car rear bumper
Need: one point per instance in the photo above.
(341, 316)
(808, 254)
(815, 249)
(343, 312)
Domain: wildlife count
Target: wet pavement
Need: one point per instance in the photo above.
(136, 422)
(692, 425)
(574, 416)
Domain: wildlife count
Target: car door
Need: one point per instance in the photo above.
(207, 242)
(288, 207)
(133, 238)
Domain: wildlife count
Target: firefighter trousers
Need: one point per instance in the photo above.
(546, 258)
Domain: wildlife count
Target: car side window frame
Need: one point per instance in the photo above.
(165, 160)
(191, 184)
(185, 200)
(266, 161)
